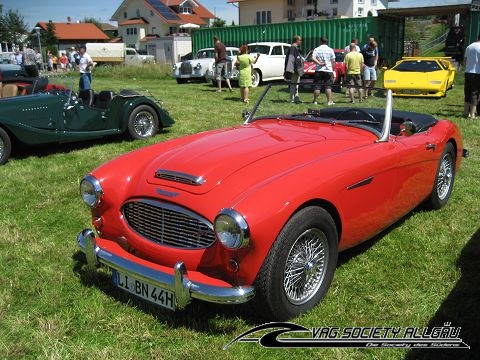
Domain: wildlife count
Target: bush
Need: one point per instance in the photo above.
(147, 71)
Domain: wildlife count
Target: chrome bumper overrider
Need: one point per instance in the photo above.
(178, 283)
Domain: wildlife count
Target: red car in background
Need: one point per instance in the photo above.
(309, 66)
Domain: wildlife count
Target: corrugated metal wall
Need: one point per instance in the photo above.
(472, 27)
(339, 32)
(388, 31)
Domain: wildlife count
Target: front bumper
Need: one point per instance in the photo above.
(178, 283)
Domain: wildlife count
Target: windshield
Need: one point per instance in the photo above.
(275, 103)
(205, 53)
(417, 66)
(262, 49)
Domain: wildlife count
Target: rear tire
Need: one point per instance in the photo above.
(444, 180)
(5, 146)
(256, 78)
(299, 268)
(143, 122)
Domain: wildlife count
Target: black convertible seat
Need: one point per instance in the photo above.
(103, 99)
(87, 96)
(421, 121)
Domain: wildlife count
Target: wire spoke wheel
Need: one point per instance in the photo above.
(445, 176)
(306, 266)
(144, 124)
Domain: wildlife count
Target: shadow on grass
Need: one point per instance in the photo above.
(21, 151)
(460, 308)
(198, 315)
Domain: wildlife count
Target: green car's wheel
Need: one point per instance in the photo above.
(143, 122)
(5, 146)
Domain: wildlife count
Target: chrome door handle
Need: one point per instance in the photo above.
(431, 146)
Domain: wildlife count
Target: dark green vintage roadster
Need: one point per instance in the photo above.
(60, 115)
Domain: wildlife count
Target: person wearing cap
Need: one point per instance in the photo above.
(85, 65)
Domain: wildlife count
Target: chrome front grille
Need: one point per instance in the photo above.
(185, 68)
(168, 224)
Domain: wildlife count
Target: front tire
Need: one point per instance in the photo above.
(444, 180)
(143, 122)
(5, 146)
(299, 267)
(256, 78)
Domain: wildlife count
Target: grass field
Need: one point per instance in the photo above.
(424, 271)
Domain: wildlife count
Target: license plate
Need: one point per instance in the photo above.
(140, 288)
(411, 91)
(185, 76)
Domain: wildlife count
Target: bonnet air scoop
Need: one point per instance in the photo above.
(179, 177)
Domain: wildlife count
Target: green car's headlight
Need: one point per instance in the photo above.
(91, 191)
(232, 229)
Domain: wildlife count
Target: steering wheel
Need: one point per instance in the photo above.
(352, 114)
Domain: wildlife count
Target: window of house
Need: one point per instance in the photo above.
(172, 29)
(309, 2)
(125, 15)
(152, 13)
(334, 11)
(290, 14)
(264, 17)
(374, 2)
(309, 12)
(185, 10)
(360, 11)
(361, 1)
(333, 1)
(137, 12)
(154, 30)
(291, 2)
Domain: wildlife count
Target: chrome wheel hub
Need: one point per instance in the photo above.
(445, 176)
(144, 124)
(305, 266)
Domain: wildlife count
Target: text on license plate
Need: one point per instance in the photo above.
(149, 292)
(408, 91)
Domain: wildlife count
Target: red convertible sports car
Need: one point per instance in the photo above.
(260, 211)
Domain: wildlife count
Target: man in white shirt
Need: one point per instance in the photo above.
(324, 57)
(472, 78)
(85, 65)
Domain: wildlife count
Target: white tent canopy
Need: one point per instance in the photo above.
(189, 26)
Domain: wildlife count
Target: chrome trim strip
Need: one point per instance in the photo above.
(179, 177)
(360, 183)
(178, 283)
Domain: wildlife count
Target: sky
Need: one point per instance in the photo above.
(34, 11)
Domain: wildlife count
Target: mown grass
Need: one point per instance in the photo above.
(421, 272)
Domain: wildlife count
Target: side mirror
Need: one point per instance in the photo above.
(408, 128)
(246, 114)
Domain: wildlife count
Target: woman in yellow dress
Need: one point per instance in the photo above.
(244, 65)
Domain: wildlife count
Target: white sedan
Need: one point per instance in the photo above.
(201, 67)
(271, 63)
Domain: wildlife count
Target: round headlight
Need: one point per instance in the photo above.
(91, 191)
(231, 229)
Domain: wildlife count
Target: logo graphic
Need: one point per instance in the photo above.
(353, 337)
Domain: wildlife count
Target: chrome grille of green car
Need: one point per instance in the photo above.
(168, 224)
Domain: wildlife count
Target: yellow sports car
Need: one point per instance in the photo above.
(420, 76)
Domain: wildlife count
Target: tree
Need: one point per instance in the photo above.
(218, 23)
(92, 20)
(49, 38)
(13, 27)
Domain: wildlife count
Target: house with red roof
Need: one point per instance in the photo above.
(72, 34)
(142, 20)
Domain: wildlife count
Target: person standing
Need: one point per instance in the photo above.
(353, 68)
(29, 62)
(18, 57)
(293, 69)
(324, 58)
(55, 63)
(244, 65)
(49, 61)
(347, 50)
(63, 62)
(472, 78)
(38, 60)
(370, 57)
(220, 63)
(85, 65)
